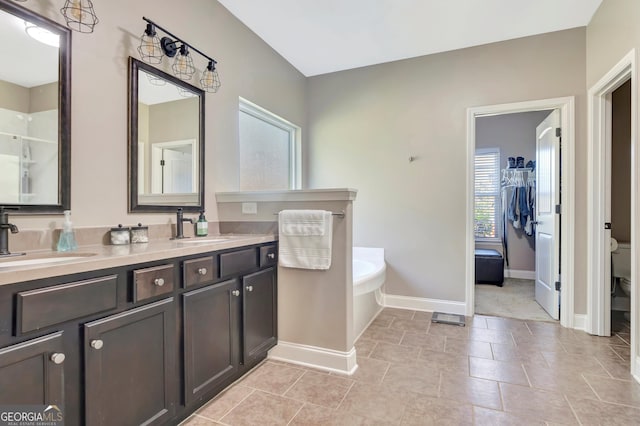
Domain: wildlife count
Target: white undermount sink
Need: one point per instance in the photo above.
(204, 240)
(43, 259)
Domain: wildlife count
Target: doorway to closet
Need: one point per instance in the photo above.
(553, 268)
(508, 152)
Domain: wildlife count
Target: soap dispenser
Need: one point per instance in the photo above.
(202, 226)
(67, 241)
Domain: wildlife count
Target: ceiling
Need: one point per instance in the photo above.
(323, 36)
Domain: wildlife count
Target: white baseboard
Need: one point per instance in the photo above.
(315, 357)
(423, 304)
(520, 274)
(580, 322)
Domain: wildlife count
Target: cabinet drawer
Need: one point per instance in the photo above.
(199, 271)
(237, 262)
(151, 282)
(48, 306)
(268, 255)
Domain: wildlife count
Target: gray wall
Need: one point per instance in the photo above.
(248, 67)
(365, 123)
(621, 163)
(515, 135)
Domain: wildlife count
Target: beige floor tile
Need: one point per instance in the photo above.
(617, 391)
(500, 371)
(593, 412)
(449, 331)
(468, 347)
(426, 341)
(491, 336)
(514, 353)
(508, 324)
(196, 420)
(382, 334)
(370, 370)
(437, 411)
(364, 347)
(415, 326)
(261, 408)
(487, 417)
(616, 367)
(314, 415)
(476, 321)
(375, 402)
(444, 362)
(320, 389)
(422, 316)
(550, 329)
(395, 353)
(471, 390)
(383, 321)
(565, 382)
(398, 313)
(418, 379)
(224, 402)
(537, 404)
(623, 351)
(575, 363)
(274, 378)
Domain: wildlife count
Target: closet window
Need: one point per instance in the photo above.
(487, 194)
(269, 150)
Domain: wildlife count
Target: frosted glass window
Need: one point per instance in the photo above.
(268, 150)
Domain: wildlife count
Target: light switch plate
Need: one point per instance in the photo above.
(249, 208)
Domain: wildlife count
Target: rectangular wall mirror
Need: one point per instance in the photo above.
(166, 141)
(35, 95)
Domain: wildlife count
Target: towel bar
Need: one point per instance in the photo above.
(339, 214)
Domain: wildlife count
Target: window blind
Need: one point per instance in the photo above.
(487, 193)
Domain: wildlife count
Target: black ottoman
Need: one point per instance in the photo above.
(489, 267)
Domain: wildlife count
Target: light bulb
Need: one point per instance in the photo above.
(76, 10)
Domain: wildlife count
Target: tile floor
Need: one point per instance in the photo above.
(494, 371)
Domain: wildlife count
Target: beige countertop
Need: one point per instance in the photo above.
(95, 257)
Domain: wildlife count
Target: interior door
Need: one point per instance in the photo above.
(548, 222)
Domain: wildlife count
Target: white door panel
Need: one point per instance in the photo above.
(548, 222)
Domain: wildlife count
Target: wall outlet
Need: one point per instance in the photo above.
(249, 208)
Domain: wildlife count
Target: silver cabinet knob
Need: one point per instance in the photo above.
(97, 344)
(249, 288)
(236, 293)
(57, 358)
(159, 282)
(202, 271)
(271, 255)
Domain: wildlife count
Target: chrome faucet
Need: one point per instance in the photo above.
(5, 227)
(180, 225)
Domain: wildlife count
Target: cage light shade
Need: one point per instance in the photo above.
(80, 15)
(183, 64)
(150, 50)
(210, 81)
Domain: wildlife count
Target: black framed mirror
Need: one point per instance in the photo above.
(166, 141)
(35, 112)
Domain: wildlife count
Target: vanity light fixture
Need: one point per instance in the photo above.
(210, 81)
(153, 48)
(183, 64)
(149, 49)
(80, 15)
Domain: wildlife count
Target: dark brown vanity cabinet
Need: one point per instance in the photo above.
(211, 337)
(31, 373)
(129, 367)
(259, 313)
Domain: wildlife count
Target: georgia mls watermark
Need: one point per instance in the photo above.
(31, 415)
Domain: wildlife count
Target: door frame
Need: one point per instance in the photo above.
(599, 118)
(566, 105)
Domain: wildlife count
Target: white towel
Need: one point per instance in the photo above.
(305, 238)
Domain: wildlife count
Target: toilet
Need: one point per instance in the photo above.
(621, 266)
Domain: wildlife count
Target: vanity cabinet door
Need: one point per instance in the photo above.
(31, 373)
(211, 337)
(129, 367)
(259, 314)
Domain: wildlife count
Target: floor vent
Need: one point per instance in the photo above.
(451, 319)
